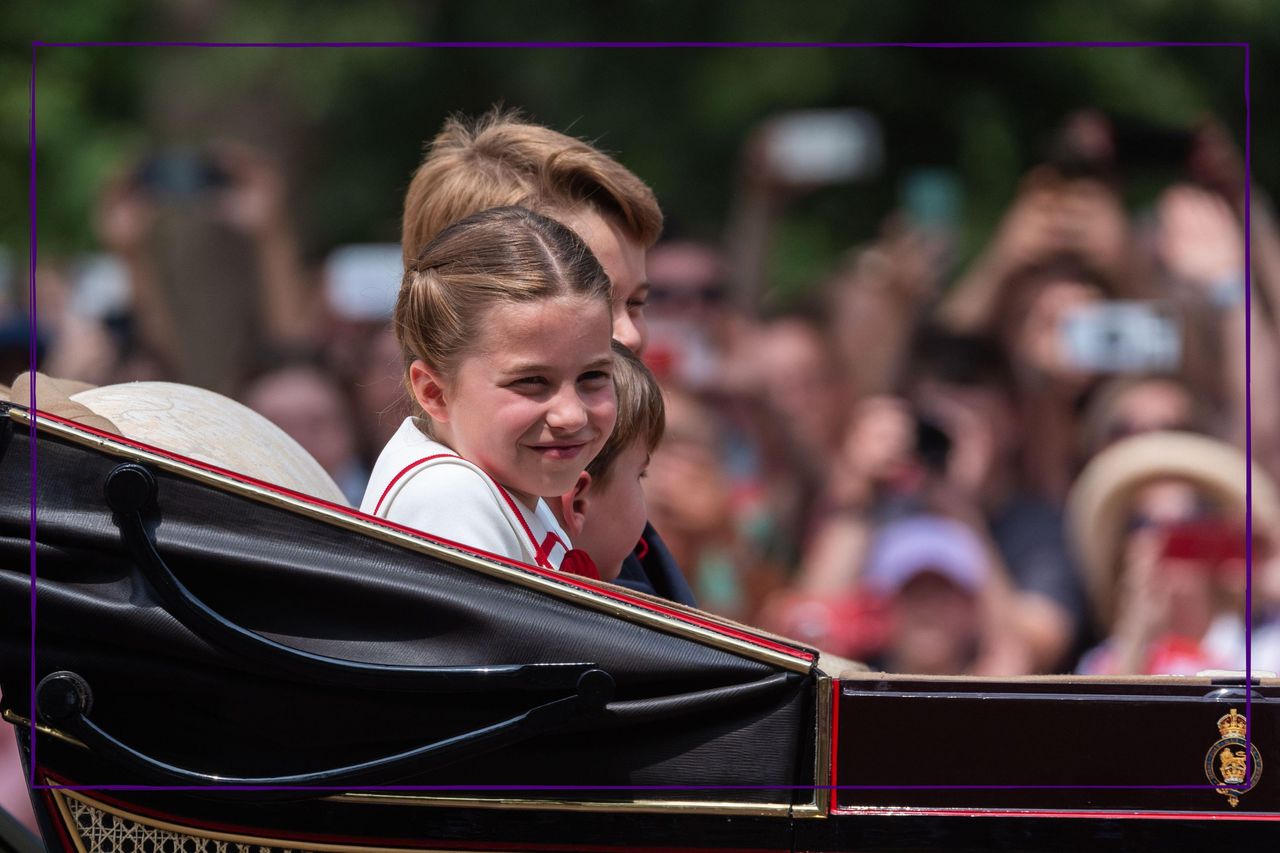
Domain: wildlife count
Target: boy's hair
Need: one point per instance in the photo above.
(500, 159)
(641, 413)
(501, 255)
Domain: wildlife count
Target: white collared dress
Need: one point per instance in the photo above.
(420, 483)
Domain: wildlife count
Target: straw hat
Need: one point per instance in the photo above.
(1098, 505)
(209, 427)
(186, 420)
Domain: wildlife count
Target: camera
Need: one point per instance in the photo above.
(1123, 337)
(820, 147)
(181, 173)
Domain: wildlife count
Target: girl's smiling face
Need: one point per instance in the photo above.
(532, 400)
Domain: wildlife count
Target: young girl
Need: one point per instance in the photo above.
(504, 324)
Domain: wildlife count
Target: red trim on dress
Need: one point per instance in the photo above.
(538, 556)
(405, 470)
(543, 555)
(541, 551)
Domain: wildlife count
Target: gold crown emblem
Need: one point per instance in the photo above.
(1231, 724)
(1232, 766)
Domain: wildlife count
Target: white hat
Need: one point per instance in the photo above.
(926, 543)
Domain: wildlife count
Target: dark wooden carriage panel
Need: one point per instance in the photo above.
(1090, 744)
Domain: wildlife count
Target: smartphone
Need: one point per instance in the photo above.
(181, 173)
(1209, 541)
(820, 147)
(1123, 337)
(933, 444)
(1148, 144)
(931, 198)
(100, 287)
(362, 280)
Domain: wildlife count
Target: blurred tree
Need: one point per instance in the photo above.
(350, 122)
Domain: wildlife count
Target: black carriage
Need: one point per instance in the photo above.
(197, 660)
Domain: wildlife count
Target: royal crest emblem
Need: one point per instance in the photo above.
(1227, 762)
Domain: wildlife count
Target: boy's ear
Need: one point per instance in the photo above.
(429, 391)
(573, 506)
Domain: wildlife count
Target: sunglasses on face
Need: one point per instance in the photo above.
(709, 295)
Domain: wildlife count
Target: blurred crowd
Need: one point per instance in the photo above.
(1031, 462)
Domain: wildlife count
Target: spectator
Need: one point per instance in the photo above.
(1071, 207)
(691, 327)
(360, 347)
(1159, 522)
(193, 214)
(1201, 247)
(961, 385)
(932, 572)
(1130, 405)
(1029, 323)
(706, 522)
(308, 404)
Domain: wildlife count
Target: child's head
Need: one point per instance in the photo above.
(605, 513)
(503, 322)
(500, 159)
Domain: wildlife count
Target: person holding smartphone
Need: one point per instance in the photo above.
(1159, 521)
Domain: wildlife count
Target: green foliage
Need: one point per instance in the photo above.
(350, 123)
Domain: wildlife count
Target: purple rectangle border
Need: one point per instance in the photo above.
(543, 45)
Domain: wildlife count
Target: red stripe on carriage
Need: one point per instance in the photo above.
(910, 811)
(55, 816)
(835, 742)
(680, 615)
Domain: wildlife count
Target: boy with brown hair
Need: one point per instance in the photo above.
(501, 159)
(605, 513)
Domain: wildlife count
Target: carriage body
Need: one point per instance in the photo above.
(194, 659)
